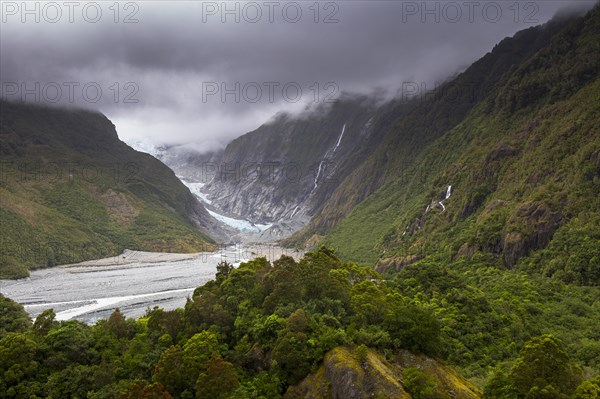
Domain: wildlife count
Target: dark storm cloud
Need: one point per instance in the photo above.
(161, 78)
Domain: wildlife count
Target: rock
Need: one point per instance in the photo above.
(398, 263)
(342, 376)
(501, 151)
(530, 227)
(466, 250)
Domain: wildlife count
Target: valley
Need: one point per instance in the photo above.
(381, 244)
(133, 281)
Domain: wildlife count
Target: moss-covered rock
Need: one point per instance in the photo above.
(348, 374)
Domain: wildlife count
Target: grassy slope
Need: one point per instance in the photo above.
(408, 134)
(71, 191)
(548, 145)
(514, 152)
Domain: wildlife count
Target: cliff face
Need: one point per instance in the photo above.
(285, 171)
(354, 374)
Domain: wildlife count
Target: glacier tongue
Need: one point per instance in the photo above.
(241, 225)
(244, 226)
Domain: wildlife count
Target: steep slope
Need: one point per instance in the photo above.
(348, 374)
(433, 116)
(317, 166)
(285, 170)
(519, 173)
(71, 191)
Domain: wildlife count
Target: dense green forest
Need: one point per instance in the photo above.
(261, 328)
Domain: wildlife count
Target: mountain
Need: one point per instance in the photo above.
(436, 115)
(518, 173)
(307, 174)
(72, 191)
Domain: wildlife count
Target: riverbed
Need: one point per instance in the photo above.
(133, 282)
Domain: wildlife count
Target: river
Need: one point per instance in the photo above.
(132, 282)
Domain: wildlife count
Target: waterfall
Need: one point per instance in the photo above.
(330, 151)
(340, 139)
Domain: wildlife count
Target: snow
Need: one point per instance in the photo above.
(240, 224)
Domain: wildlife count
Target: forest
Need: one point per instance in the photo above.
(261, 328)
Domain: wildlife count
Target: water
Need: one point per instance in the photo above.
(132, 282)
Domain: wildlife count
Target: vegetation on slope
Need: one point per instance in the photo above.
(70, 190)
(405, 135)
(524, 171)
(262, 328)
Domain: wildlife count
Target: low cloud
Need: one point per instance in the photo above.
(207, 72)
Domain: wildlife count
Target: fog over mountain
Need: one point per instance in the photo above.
(163, 69)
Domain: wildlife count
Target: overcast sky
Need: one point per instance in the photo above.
(207, 72)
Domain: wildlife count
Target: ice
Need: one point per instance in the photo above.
(195, 188)
(240, 224)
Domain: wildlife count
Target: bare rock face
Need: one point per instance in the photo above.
(397, 264)
(343, 376)
(530, 227)
(347, 375)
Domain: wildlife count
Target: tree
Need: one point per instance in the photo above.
(117, 324)
(169, 370)
(45, 322)
(17, 362)
(223, 270)
(413, 327)
(13, 318)
(418, 384)
(589, 389)
(140, 389)
(292, 351)
(219, 381)
(543, 370)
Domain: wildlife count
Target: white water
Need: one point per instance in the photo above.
(330, 151)
(448, 194)
(340, 139)
(317, 176)
(295, 210)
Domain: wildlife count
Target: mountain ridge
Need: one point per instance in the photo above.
(72, 191)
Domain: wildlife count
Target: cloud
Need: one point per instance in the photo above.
(206, 72)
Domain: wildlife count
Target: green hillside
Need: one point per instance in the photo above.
(524, 166)
(70, 191)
